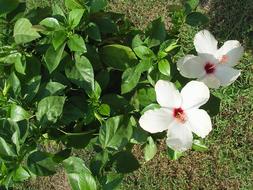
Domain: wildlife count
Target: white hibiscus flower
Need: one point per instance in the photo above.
(179, 114)
(212, 66)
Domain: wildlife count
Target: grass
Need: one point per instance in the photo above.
(228, 164)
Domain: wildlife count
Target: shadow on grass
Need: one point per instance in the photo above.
(232, 20)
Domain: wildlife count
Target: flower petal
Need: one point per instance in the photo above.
(179, 137)
(211, 81)
(157, 120)
(194, 94)
(226, 75)
(167, 95)
(232, 50)
(191, 66)
(199, 122)
(205, 42)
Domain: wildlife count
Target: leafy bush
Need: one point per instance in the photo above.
(82, 77)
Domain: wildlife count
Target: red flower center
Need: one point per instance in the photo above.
(179, 115)
(209, 68)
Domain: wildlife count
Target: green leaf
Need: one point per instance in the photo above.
(199, 146)
(156, 33)
(75, 17)
(79, 176)
(20, 64)
(81, 73)
(131, 76)
(73, 4)
(137, 41)
(112, 181)
(144, 52)
(50, 109)
(116, 132)
(50, 89)
(14, 82)
(118, 57)
(118, 104)
(77, 140)
(50, 23)
(5, 149)
(97, 5)
(76, 43)
(41, 163)
(193, 4)
(144, 97)
(17, 113)
(106, 25)
(53, 57)
(130, 79)
(76, 107)
(104, 110)
(21, 174)
(164, 67)
(169, 45)
(93, 31)
(150, 149)
(173, 155)
(59, 38)
(196, 19)
(213, 105)
(126, 157)
(103, 78)
(24, 32)
(62, 155)
(8, 5)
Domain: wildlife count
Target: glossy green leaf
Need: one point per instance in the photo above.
(17, 113)
(118, 57)
(196, 19)
(164, 67)
(150, 149)
(14, 83)
(79, 176)
(5, 149)
(21, 174)
(137, 41)
(50, 109)
(173, 155)
(93, 31)
(193, 4)
(50, 89)
(24, 31)
(144, 52)
(126, 157)
(76, 43)
(199, 146)
(75, 17)
(73, 4)
(130, 79)
(112, 181)
(156, 32)
(104, 110)
(8, 6)
(131, 76)
(59, 37)
(213, 105)
(77, 140)
(50, 23)
(118, 104)
(97, 5)
(81, 73)
(116, 132)
(53, 57)
(41, 163)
